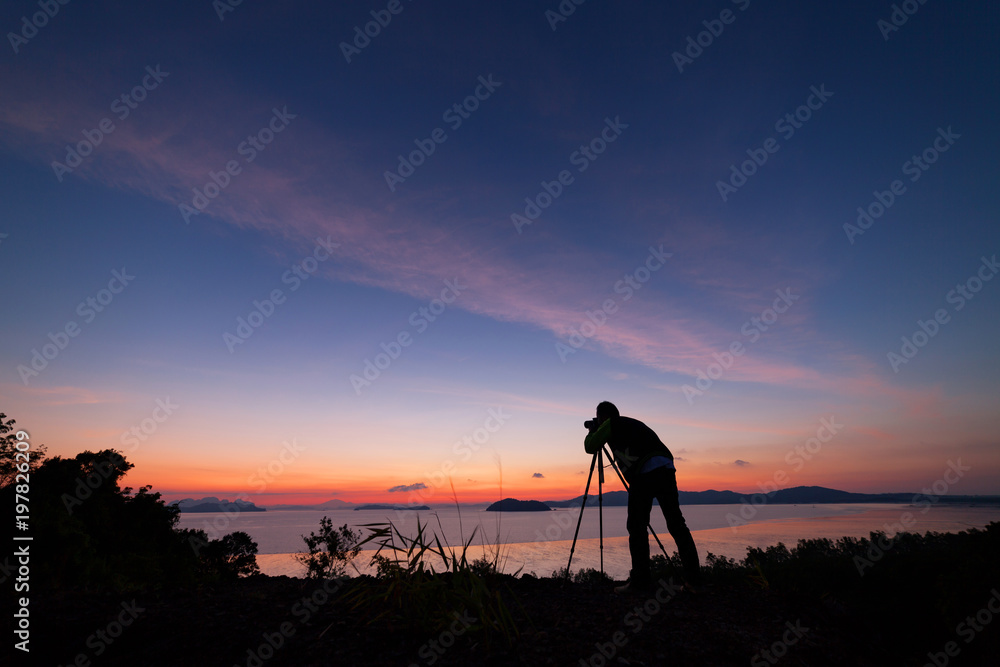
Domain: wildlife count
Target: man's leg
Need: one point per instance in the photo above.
(640, 502)
(665, 485)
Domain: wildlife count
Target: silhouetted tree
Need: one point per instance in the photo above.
(232, 556)
(341, 546)
(9, 461)
(91, 531)
(94, 532)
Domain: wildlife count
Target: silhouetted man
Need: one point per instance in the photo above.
(648, 467)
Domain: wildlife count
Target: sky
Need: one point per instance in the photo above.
(398, 251)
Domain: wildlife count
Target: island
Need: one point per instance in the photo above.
(213, 504)
(391, 507)
(514, 505)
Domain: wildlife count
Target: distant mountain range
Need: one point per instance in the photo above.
(797, 495)
(333, 504)
(213, 504)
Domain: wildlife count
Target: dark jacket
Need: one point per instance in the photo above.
(632, 443)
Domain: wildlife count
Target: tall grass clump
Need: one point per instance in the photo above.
(423, 585)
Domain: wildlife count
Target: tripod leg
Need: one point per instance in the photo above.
(625, 484)
(600, 503)
(582, 506)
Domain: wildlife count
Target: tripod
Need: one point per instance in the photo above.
(598, 461)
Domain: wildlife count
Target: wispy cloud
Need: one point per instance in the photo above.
(410, 243)
(407, 487)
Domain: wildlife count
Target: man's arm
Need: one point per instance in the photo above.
(598, 437)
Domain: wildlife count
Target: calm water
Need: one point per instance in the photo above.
(540, 541)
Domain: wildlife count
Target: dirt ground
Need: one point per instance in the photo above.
(284, 621)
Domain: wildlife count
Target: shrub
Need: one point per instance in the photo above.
(330, 551)
(232, 557)
(99, 534)
(411, 591)
(591, 577)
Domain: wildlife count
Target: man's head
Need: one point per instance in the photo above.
(606, 410)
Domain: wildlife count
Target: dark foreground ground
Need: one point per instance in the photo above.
(283, 621)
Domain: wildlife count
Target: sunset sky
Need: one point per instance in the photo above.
(263, 253)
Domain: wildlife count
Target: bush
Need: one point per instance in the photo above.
(231, 557)
(98, 534)
(330, 551)
(591, 577)
(661, 567)
(410, 591)
(10, 464)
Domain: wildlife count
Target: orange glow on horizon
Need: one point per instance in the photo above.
(362, 494)
(852, 468)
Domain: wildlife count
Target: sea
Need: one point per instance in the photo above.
(543, 542)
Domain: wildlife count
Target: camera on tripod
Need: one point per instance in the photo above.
(591, 424)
